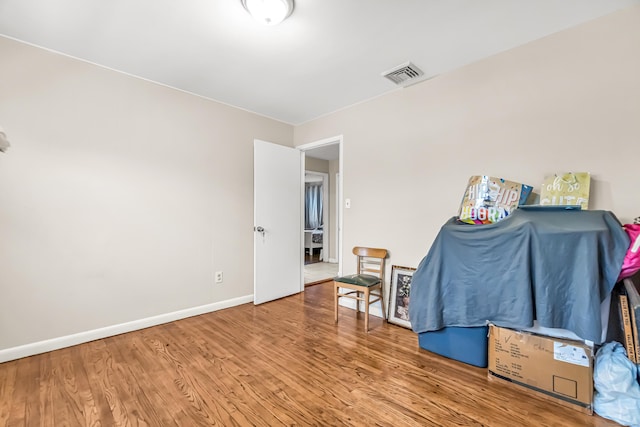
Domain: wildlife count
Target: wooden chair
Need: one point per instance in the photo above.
(362, 286)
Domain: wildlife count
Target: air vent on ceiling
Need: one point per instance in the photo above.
(404, 74)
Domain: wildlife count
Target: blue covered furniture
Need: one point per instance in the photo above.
(467, 345)
(553, 266)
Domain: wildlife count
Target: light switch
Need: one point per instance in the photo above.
(347, 203)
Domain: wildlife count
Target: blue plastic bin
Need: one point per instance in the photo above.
(467, 345)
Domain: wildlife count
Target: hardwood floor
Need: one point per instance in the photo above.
(280, 363)
(312, 257)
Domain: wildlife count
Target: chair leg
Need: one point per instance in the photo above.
(335, 298)
(384, 315)
(366, 310)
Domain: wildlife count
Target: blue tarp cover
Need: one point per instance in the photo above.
(554, 266)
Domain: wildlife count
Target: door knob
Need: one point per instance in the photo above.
(259, 229)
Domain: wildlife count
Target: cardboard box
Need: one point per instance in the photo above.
(633, 299)
(556, 369)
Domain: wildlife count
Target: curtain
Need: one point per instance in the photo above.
(313, 205)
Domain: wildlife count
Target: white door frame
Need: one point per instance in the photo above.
(330, 141)
(338, 208)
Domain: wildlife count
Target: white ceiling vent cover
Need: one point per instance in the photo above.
(404, 74)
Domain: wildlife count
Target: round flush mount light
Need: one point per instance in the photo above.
(269, 12)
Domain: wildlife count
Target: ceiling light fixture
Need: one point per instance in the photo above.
(269, 12)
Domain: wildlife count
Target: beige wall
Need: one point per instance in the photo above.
(568, 102)
(119, 198)
(316, 165)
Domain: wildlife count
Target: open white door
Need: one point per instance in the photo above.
(277, 196)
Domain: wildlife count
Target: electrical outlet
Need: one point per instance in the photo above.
(218, 276)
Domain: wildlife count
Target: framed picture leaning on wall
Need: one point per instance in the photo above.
(399, 295)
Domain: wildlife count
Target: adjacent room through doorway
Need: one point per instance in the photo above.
(321, 212)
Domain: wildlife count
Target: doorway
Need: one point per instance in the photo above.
(323, 239)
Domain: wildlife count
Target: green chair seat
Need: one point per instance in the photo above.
(359, 279)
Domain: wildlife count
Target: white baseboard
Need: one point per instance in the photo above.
(374, 309)
(31, 349)
(333, 260)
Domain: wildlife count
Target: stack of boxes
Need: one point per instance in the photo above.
(554, 368)
(558, 369)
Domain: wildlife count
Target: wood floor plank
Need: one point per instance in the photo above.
(23, 411)
(9, 372)
(263, 384)
(72, 386)
(94, 356)
(185, 357)
(283, 363)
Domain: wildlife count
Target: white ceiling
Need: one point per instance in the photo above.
(328, 55)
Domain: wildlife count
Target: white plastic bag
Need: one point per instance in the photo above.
(617, 394)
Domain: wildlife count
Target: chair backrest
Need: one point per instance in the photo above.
(370, 261)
